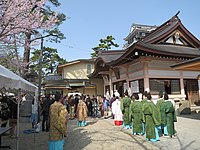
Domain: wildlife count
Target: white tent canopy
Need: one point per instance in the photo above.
(10, 80)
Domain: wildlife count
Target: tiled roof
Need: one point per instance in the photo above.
(195, 60)
(167, 28)
(77, 61)
(154, 44)
(108, 56)
(173, 49)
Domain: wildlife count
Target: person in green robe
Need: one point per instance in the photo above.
(152, 119)
(125, 103)
(161, 107)
(144, 100)
(136, 115)
(169, 129)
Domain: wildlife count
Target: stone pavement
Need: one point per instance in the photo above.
(102, 134)
(188, 134)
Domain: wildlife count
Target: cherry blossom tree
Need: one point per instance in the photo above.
(18, 16)
(21, 21)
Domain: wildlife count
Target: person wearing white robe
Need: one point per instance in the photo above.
(118, 119)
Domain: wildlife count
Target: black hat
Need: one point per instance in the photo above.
(126, 93)
(58, 96)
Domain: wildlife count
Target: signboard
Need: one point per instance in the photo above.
(135, 86)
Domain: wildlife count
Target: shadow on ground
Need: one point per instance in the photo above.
(77, 137)
(191, 116)
(39, 141)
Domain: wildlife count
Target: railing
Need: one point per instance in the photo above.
(52, 77)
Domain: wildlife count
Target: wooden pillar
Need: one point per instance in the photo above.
(146, 84)
(127, 75)
(127, 81)
(182, 84)
(198, 77)
(110, 83)
(146, 77)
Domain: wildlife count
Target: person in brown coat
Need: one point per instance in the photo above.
(58, 118)
(81, 113)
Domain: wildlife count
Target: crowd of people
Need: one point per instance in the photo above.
(144, 116)
(54, 110)
(8, 113)
(147, 117)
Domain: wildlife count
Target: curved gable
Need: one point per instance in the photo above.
(172, 32)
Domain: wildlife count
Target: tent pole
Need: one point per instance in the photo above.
(18, 117)
(35, 126)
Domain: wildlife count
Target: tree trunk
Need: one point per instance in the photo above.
(17, 57)
(27, 49)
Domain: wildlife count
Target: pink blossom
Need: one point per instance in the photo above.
(17, 16)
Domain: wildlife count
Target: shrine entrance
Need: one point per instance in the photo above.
(192, 91)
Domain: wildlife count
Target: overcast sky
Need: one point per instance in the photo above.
(90, 20)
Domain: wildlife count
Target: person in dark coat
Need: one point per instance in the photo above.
(89, 105)
(45, 112)
(76, 101)
(5, 111)
(94, 106)
(13, 115)
(71, 104)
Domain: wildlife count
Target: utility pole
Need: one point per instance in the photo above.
(40, 77)
(40, 70)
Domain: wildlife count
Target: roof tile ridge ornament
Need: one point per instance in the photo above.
(175, 18)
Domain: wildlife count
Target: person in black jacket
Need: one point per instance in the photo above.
(5, 111)
(45, 113)
(13, 115)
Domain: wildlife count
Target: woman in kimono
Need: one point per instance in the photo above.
(117, 113)
(136, 115)
(152, 119)
(81, 113)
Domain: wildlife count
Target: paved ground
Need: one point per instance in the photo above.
(101, 134)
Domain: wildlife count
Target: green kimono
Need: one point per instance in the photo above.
(161, 107)
(151, 118)
(170, 117)
(143, 102)
(125, 103)
(136, 116)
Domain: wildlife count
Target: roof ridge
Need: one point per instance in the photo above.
(157, 30)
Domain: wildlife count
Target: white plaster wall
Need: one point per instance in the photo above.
(76, 71)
